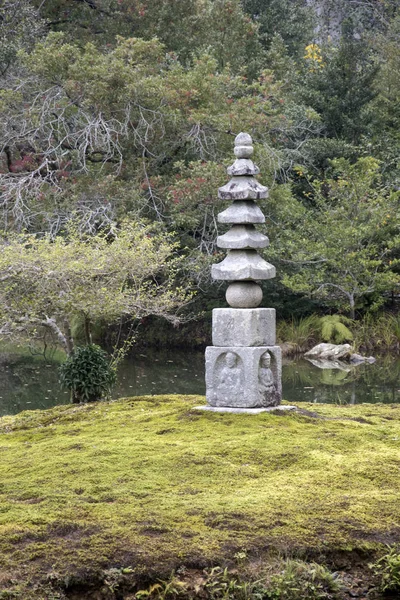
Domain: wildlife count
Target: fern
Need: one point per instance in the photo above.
(334, 329)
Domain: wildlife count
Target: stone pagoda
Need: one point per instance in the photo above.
(243, 366)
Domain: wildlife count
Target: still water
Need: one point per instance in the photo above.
(28, 382)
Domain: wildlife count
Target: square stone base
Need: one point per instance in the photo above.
(243, 327)
(247, 411)
(243, 377)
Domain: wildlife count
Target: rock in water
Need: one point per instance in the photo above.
(329, 351)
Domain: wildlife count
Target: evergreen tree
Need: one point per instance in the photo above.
(339, 84)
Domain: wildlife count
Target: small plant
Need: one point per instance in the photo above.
(334, 329)
(114, 577)
(222, 585)
(303, 580)
(88, 374)
(240, 556)
(388, 569)
(170, 588)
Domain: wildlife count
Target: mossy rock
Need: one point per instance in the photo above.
(151, 484)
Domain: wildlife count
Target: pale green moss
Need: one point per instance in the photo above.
(149, 482)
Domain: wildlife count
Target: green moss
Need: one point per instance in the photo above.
(148, 482)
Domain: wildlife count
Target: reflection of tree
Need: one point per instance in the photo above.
(333, 377)
(25, 384)
(362, 383)
(298, 373)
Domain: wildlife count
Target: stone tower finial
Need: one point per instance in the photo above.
(243, 146)
(243, 265)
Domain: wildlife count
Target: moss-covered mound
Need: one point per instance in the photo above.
(151, 484)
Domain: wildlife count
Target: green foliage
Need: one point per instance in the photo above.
(130, 108)
(291, 19)
(344, 247)
(385, 126)
(20, 28)
(129, 113)
(371, 333)
(300, 334)
(170, 588)
(302, 580)
(388, 569)
(222, 585)
(186, 27)
(387, 82)
(337, 82)
(378, 332)
(334, 329)
(87, 373)
(193, 204)
(126, 273)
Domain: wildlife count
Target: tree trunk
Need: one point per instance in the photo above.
(68, 338)
(352, 307)
(88, 334)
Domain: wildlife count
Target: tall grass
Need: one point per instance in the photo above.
(370, 334)
(299, 335)
(381, 333)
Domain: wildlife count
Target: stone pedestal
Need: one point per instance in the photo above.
(243, 327)
(243, 377)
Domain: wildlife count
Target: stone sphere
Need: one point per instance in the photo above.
(244, 294)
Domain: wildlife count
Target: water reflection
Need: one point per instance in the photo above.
(346, 384)
(28, 382)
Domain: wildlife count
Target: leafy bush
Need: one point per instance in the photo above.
(388, 568)
(303, 580)
(87, 373)
(334, 329)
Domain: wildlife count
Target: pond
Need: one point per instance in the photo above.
(30, 382)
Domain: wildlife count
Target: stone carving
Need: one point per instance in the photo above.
(243, 367)
(267, 387)
(242, 212)
(234, 376)
(228, 380)
(243, 263)
(242, 236)
(240, 265)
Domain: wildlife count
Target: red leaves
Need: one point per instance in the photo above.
(26, 163)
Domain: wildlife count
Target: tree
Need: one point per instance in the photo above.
(187, 28)
(337, 81)
(127, 273)
(20, 28)
(129, 113)
(385, 126)
(342, 248)
(293, 20)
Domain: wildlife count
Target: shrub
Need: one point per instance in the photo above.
(87, 373)
(388, 569)
(334, 329)
(303, 580)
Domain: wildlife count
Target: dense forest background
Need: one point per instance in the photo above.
(118, 116)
